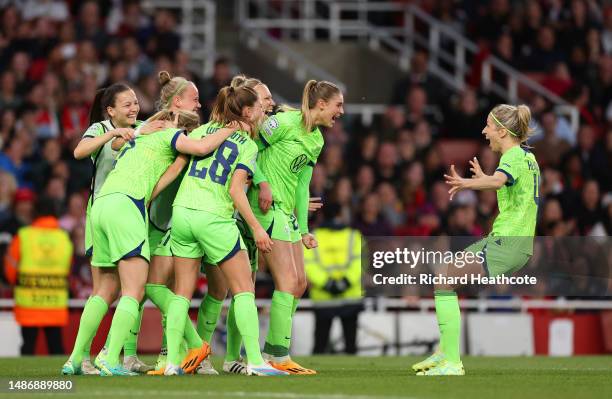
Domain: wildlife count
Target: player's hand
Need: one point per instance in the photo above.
(154, 126)
(265, 197)
(262, 240)
(125, 133)
(309, 241)
(456, 182)
(314, 204)
(475, 168)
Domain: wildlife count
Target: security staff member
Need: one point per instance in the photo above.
(38, 263)
(333, 270)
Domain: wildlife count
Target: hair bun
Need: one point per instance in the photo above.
(164, 77)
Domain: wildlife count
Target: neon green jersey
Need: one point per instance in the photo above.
(518, 199)
(286, 149)
(102, 158)
(140, 163)
(206, 183)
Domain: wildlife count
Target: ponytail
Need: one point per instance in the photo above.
(229, 104)
(313, 92)
(105, 97)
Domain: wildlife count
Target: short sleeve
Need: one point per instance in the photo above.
(509, 165)
(94, 130)
(247, 159)
(272, 131)
(170, 137)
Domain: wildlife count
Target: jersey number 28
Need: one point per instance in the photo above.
(221, 160)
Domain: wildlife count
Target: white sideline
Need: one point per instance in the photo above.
(381, 304)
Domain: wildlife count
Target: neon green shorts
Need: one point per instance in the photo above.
(119, 229)
(249, 242)
(88, 230)
(197, 233)
(279, 225)
(501, 257)
(159, 241)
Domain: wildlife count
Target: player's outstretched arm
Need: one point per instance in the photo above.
(236, 191)
(144, 129)
(173, 171)
(89, 145)
(479, 181)
(205, 145)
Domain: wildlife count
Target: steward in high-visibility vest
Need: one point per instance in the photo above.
(38, 263)
(333, 268)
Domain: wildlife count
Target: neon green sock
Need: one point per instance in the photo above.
(92, 315)
(277, 343)
(87, 348)
(164, 344)
(449, 323)
(192, 338)
(208, 316)
(248, 325)
(131, 343)
(161, 296)
(124, 318)
(234, 339)
(175, 328)
(107, 342)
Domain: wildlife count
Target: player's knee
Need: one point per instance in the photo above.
(301, 286)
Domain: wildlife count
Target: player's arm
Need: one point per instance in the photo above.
(205, 145)
(479, 180)
(173, 171)
(145, 128)
(236, 191)
(302, 200)
(90, 144)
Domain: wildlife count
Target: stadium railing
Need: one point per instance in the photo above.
(349, 20)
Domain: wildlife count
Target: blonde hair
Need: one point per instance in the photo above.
(243, 80)
(515, 119)
(170, 88)
(187, 120)
(313, 92)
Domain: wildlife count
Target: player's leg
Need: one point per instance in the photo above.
(236, 268)
(160, 272)
(186, 272)
(209, 312)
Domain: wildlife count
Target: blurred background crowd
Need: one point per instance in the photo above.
(384, 178)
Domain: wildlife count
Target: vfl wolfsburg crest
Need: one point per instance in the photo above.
(298, 163)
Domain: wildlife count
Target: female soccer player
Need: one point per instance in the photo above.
(203, 225)
(177, 93)
(120, 221)
(211, 305)
(113, 116)
(510, 244)
(290, 144)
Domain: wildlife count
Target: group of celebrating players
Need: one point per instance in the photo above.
(169, 168)
(170, 198)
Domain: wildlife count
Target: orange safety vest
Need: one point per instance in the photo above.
(41, 292)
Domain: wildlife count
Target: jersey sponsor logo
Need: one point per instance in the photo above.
(298, 163)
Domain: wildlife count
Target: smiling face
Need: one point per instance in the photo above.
(189, 100)
(494, 134)
(330, 110)
(125, 109)
(267, 102)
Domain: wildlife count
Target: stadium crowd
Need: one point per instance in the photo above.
(386, 178)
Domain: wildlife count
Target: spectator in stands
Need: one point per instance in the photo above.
(342, 197)
(551, 147)
(43, 169)
(163, 39)
(369, 221)
(38, 263)
(75, 213)
(8, 186)
(12, 161)
(465, 117)
(590, 211)
(364, 183)
(89, 25)
(391, 207)
(221, 76)
(419, 75)
(9, 99)
(545, 54)
(387, 163)
(138, 64)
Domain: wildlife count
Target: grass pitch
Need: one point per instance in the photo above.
(343, 377)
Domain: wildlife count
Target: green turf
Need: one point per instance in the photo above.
(343, 377)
